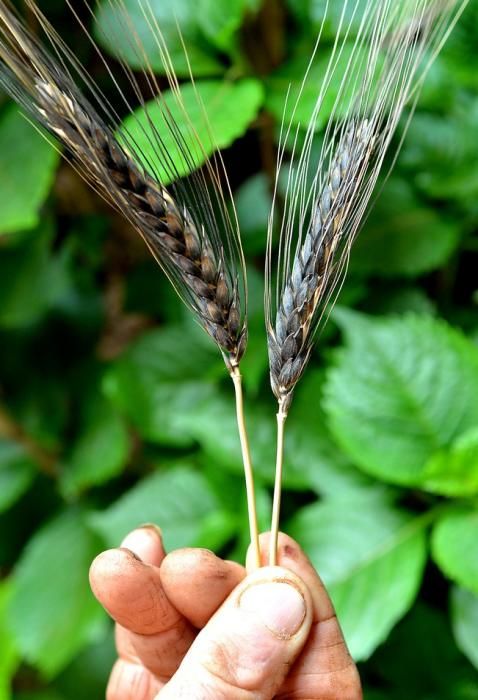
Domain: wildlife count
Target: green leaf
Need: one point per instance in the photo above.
(371, 557)
(23, 189)
(87, 676)
(460, 48)
(263, 507)
(39, 695)
(402, 390)
(8, 657)
(29, 279)
(220, 20)
(454, 472)
(157, 379)
(464, 617)
(34, 279)
(231, 107)
(113, 30)
(338, 19)
(399, 300)
(253, 204)
(255, 363)
(52, 613)
(179, 500)
(421, 661)
(439, 151)
(403, 236)
(173, 353)
(100, 450)
(17, 471)
(212, 422)
(455, 546)
(310, 450)
(160, 418)
(311, 459)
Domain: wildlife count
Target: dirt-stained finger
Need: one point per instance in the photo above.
(132, 593)
(197, 582)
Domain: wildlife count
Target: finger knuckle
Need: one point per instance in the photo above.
(236, 673)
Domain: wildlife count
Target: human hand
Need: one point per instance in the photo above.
(191, 625)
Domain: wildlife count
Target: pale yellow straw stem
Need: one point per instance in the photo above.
(248, 471)
(281, 418)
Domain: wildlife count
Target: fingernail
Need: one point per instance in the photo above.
(279, 605)
(152, 526)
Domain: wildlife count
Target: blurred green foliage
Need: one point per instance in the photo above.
(108, 418)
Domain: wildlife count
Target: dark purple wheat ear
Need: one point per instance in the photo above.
(188, 228)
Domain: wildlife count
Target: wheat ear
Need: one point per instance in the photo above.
(168, 229)
(385, 70)
(290, 341)
(194, 261)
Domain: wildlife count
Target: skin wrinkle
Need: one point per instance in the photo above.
(222, 691)
(336, 686)
(160, 653)
(340, 681)
(323, 665)
(227, 656)
(158, 597)
(149, 607)
(131, 682)
(184, 634)
(220, 682)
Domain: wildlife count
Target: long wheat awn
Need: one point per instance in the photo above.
(394, 44)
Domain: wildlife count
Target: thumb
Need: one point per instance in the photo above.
(247, 648)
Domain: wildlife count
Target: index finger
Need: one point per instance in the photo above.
(151, 632)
